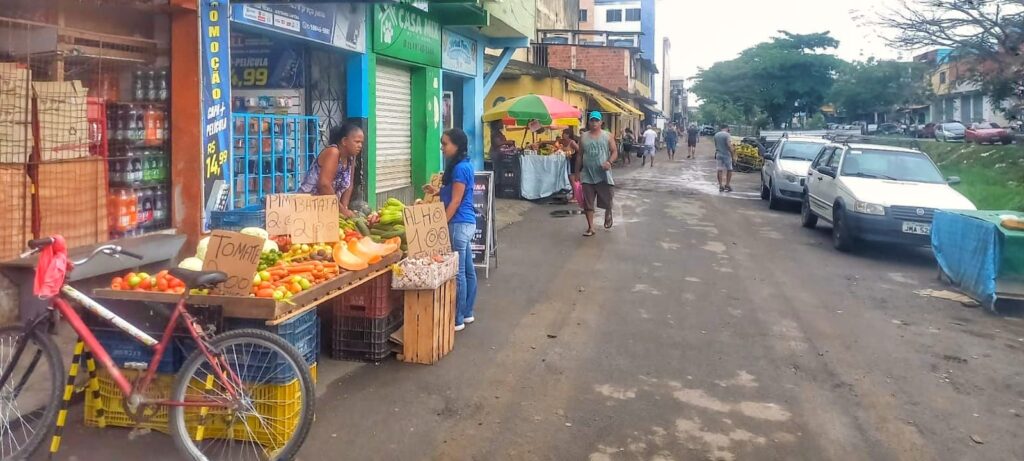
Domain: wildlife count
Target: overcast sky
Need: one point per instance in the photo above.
(705, 32)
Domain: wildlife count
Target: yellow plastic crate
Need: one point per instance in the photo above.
(104, 407)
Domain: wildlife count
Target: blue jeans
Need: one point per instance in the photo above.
(462, 236)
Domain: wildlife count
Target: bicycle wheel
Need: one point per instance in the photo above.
(31, 396)
(271, 418)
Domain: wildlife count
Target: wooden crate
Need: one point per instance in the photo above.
(429, 330)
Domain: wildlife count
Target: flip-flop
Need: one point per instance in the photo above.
(608, 220)
(588, 233)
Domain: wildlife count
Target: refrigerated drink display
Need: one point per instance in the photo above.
(138, 86)
(151, 86)
(160, 207)
(161, 91)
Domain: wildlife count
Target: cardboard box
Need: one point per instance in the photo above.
(15, 210)
(16, 141)
(61, 114)
(73, 200)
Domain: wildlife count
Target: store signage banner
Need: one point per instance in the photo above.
(459, 53)
(341, 25)
(483, 203)
(259, 62)
(215, 102)
(408, 34)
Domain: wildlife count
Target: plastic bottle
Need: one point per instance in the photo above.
(139, 86)
(146, 206)
(151, 86)
(162, 92)
(160, 208)
(140, 124)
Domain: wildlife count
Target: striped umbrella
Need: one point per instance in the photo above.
(545, 110)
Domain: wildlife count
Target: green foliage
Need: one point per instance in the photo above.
(791, 73)
(816, 122)
(717, 112)
(880, 86)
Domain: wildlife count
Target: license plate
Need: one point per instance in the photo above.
(917, 228)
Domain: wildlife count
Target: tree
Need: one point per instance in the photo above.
(788, 74)
(716, 113)
(988, 32)
(880, 86)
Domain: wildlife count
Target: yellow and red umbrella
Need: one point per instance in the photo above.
(545, 110)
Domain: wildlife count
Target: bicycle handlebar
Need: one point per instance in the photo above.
(37, 245)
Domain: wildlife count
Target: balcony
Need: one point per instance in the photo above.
(589, 38)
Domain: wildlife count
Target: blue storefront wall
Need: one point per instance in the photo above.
(463, 57)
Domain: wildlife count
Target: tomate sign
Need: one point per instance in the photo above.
(214, 39)
(237, 255)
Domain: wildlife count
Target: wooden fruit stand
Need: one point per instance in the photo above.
(429, 330)
(273, 311)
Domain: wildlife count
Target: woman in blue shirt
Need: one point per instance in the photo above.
(457, 195)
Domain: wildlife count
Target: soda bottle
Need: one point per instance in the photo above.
(149, 121)
(162, 166)
(140, 124)
(159, 207)
(147, 207)
(151, 86)
(139, 86)
(162, 89)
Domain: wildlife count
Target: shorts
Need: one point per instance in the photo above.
(724, 162)
(691, 142)
(671, 145)
(648, 151)
(601, 193)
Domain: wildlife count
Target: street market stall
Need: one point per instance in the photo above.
(541, 168)
(982, 252)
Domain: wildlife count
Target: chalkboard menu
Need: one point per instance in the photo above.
(484, 241)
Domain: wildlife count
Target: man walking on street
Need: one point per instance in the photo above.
(594, 167)
(725, 155)
(671, 140)
(650, 145)
(692, 135)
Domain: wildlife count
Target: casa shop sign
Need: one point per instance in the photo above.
(405, 33)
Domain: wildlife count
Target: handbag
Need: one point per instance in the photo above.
(577, 193)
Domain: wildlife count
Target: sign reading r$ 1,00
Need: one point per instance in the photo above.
(426, 230)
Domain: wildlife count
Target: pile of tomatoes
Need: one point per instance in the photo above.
(162, 282)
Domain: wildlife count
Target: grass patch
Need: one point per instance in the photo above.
(991, 176)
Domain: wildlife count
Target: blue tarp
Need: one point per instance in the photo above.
(967, 249)
(543, 175)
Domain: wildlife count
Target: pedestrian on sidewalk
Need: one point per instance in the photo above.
(725, 156)
(671, 140)
(628, 140)
(692, 137)
(594, 167)
(570, 146)
(457, 195)
(650, 145)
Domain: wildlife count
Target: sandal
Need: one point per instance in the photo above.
(589, 233)
(608, 221)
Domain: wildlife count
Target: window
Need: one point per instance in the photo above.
(633, 14)
(834, 161)
(800, 150)
(613, 16)
(822, 157)
(896, 166)
(942, 77)
(583, 15)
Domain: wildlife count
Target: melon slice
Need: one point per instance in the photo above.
(346, 260)
(383, 249)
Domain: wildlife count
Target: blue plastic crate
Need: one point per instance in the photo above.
(264, 366)
(124, 348)
(238, 219)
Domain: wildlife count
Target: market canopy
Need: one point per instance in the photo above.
(545, 110)
(605, 104)
(626, 107)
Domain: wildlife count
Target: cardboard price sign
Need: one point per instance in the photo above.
(307, 218)
(237, 255)
(426, 230)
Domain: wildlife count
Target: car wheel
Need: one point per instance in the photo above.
(1007, 142)
(774, 202)
(764, 190)
(807, 217)
(841, 238)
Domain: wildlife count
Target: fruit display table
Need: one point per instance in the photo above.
(271, 310)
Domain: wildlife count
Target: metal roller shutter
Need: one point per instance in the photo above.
(394, 132)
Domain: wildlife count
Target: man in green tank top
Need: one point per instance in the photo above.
(594, 167)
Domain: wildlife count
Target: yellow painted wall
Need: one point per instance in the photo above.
(508, 88)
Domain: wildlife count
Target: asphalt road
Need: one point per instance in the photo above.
(702, 326)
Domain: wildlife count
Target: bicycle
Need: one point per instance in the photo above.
(215, 407)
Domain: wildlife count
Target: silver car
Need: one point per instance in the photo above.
(785, 169)
(950, 132)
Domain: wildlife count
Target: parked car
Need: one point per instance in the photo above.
(950, 132)
(890, 128)
(707, 130)
(785, 169)
(926, 131)
(877, 193)
(988, 132)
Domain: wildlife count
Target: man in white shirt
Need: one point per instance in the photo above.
(650, 144)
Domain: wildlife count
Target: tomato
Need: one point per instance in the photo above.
(116, 286)
(162, 284)
(146, 283)
(294, 287)
(179, 290)
(162, 273)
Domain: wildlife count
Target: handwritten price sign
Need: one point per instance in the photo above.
(237, 255)
(426, 230)
(307, 218)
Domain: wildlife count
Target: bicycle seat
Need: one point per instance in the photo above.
(198, 279)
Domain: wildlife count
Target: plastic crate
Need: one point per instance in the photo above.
(303, 332)
(238, 219)
(373, 299)
(125, 349)
(364, 338)
(104, 407)
(374, 353)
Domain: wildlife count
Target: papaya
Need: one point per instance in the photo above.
(396, 241)
(346, 260)
(382, 249)
(361, 252)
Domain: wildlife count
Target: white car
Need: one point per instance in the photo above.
(785, 168)
(877, 193)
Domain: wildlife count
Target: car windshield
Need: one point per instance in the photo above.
(896, 166)
(953, 127)
(985, 126)
(800, 150)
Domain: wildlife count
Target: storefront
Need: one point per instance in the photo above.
(405, 126)
(459, 63)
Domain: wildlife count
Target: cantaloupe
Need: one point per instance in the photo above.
(382, 249)
(356, 249)
(346, 260)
